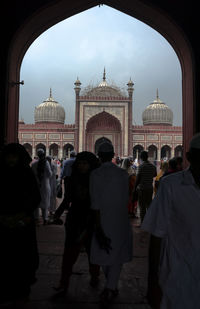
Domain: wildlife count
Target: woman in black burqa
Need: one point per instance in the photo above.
(79, 223)
(20, 197)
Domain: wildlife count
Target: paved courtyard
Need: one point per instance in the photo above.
(132, 284)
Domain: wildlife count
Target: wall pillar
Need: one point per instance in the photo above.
(60, 153)
(33, 152)
(158, 154)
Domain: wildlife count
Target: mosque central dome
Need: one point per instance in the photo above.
(104, 89)
(157, 113)
(50, 111)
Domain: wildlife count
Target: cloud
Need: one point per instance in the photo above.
(83, 44)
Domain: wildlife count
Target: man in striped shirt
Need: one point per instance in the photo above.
(144, 183)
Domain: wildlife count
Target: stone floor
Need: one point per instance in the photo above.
(132, 284)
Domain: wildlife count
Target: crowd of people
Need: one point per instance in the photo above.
(101, 195)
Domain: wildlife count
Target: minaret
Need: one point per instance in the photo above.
(77, 89)
(130, 88)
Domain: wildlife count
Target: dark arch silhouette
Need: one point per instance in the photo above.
(166, 152)
(56, 11)
(152, 152)
(53, 150)
(137, 149)
(66, 149)
(28, 148)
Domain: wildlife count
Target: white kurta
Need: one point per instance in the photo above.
(174, 215)
(109, 194)
(45, 188)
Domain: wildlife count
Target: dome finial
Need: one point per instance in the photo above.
(157, 96)
(104, 74)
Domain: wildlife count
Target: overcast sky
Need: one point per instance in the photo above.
(86, 43)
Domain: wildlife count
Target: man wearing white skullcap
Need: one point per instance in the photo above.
(173, 220)
(112, 242)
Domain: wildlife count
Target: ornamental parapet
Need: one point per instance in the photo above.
(100, 98)
(157, 128)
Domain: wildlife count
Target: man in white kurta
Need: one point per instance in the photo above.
(174, 218)
(44, 185)
(109, 198)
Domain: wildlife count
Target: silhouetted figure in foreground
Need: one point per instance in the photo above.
(20, 197)
(112, 241)
(79, 221)
(173, 219)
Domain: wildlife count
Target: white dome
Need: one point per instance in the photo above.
(50, 111)
(157, 113)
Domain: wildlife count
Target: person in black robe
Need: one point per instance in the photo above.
(79, 225)
(20, 197)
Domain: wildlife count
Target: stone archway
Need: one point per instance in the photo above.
(178, 151)
(137, 149)
(166, 152)
(28, 148)
(103, 125)
(56, 11)
(66, 150)
(53, 150)
(152, 152)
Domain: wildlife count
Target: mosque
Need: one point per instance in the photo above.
(103, 112)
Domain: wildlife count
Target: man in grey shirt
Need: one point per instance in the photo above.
(66, 173)
(67, 165)
(144, 183)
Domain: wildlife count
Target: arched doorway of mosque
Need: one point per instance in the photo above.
(40, 146)
(53, 150)
(137, 151)
(103, 125)
(66, 150)
(152, 152)
(166, 152)
(99, 142)
(178, 151)
(28, 148)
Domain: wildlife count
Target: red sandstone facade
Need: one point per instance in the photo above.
(102, 113)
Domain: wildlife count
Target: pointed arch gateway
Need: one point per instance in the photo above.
(103, 126)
